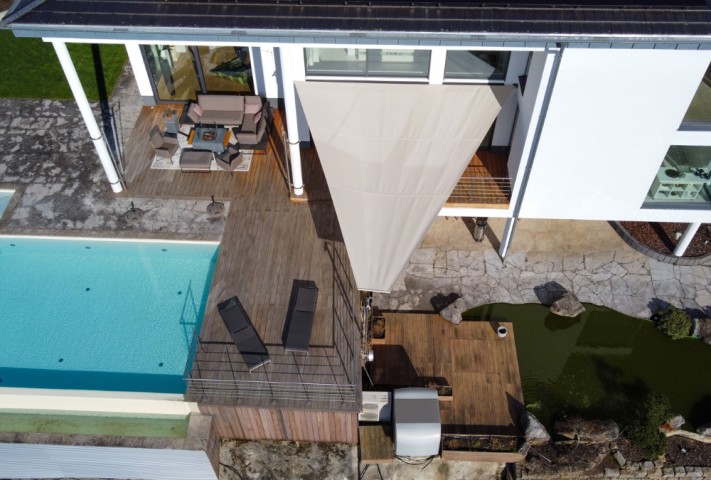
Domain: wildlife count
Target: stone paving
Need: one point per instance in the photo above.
(603, 272)
(45, 148)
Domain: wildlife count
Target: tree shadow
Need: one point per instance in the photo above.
(700, 412)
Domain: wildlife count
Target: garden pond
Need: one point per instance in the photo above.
(602, 364)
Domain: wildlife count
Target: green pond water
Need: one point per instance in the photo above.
(602, 363)
(167, 426)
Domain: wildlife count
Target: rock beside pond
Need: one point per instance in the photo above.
(591, 431)
(701, 327)
(677, 422)
(567, 306)
(453, 312)
(533, 429)
(621, 461)
(704, 430)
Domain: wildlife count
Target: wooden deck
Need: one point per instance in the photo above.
(267, 171)
(270, 245)
(481, 368)
(376, 444)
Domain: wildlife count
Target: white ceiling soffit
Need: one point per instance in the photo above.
(392, 154)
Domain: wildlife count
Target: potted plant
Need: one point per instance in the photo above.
(444, 392)
(378, 324)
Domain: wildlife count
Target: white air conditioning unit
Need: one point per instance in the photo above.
(377, 407)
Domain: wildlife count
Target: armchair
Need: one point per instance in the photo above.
(164, 146)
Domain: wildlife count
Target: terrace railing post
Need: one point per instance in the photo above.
(87, 114)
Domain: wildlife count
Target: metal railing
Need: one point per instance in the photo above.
(487, 190)
(241, 390)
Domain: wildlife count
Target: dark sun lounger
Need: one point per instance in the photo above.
(250, 346)
(298, 337)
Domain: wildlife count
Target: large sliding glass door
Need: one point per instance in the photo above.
(180, 72)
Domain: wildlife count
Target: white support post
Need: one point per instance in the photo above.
(292, 125)
(94, 132)
(686, 238)
(438, 57)
(271, 86)
(506, 238)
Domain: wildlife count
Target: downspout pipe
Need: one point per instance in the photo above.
(534, 147)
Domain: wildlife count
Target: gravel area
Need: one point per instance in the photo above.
(662, 237)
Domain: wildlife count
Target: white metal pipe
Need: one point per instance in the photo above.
(292, 126)
(686, 238)
(83, 103)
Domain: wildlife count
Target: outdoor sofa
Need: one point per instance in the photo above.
(246, 338)
(217, 109)
(298, 336)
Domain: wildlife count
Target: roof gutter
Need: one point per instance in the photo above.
(190, 34)
(534, 149)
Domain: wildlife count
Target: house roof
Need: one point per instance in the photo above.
(578, 17)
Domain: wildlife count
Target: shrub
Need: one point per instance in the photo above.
(674, 322)
(644, 432)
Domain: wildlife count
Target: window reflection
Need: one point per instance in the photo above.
(685, 175)
(476, 65)
(226, 69)
(354, 62)
(173, 72)
(700, 109)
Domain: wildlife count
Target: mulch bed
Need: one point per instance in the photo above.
(593, 459)
(660, 237)
(5, 4)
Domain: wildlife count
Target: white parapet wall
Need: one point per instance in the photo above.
(82, 401)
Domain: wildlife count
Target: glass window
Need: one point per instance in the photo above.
(173, 71)
(226, 69)
(476, 65)
(361, 62)
(684, 176)
(700, 108)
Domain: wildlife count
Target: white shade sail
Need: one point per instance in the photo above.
(392, 154)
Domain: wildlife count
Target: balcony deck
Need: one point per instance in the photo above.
(484, 183)
(269, 245)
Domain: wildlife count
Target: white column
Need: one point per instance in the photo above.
(438, 57)
(506, 238)
(94, 132)
(271, 87)
(686, 238)
(292, 125)
(139, 70)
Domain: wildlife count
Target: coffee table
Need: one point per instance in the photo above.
(216, 145)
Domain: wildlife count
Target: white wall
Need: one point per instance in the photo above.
(612, 117)
(505, 119)
(529, 105)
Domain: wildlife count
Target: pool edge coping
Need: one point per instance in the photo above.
(109, 239)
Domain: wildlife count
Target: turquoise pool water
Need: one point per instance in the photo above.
(5, 197)
(100, 315)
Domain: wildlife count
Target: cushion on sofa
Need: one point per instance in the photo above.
(221, 102)
(257, 117)
(194, 112)
(252, 108)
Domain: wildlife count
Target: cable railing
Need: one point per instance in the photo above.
(482, 190)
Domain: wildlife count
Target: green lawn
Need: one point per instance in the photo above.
(29, 68)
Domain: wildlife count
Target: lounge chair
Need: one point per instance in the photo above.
(230, 159)
(298, 337)
(246, 338)
(164, 145)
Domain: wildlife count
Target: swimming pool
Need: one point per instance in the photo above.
(100, 315)
(5, 197)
